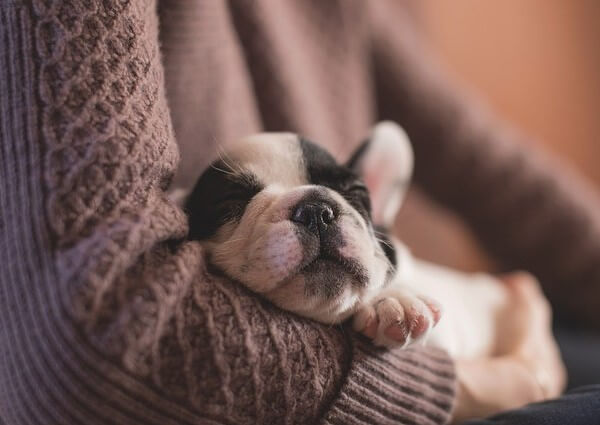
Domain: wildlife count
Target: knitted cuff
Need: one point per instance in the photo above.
(411, 386)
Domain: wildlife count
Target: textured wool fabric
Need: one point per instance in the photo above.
(108, 316)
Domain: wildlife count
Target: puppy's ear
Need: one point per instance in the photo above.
(385, 163)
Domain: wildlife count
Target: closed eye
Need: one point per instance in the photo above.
(232, 200)
(357, 195)
(358, 188)
(218, 197)
(237, 194)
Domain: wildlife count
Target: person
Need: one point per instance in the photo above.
(109, 316)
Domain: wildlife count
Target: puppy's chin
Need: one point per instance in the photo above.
(292, 295)
(292, 271)
(329, 289)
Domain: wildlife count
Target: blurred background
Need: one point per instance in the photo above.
(537, 64)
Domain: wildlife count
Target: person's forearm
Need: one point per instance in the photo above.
(107, 315)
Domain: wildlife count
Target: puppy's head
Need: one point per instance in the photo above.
(280, 215)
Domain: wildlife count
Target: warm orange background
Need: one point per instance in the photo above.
(537, 63)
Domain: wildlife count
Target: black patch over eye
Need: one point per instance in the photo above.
(218, 197)
(357, 195)
(322, 169)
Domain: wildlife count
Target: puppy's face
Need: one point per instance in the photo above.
(280, 215)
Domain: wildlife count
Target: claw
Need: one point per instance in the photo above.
(398, 331)
(434, 307)
(419, 325)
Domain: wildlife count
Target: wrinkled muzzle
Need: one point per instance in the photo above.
(306, 249)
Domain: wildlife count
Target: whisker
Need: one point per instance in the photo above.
(384, 242)
(229, 173)
(229, 162)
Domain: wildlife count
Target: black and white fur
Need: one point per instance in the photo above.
(278, 214)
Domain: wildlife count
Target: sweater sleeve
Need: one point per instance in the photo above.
(107, 315)
(529, 210)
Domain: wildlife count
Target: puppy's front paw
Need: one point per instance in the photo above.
(397, 320)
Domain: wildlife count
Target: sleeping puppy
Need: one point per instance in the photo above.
(280, 215)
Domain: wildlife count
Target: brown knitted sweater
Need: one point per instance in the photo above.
(107, 316)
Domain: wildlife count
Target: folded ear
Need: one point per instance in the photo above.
(385, 163)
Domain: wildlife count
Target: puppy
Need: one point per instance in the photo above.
(280, 215)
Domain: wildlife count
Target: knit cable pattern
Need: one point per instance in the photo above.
(110, 153)
(112, 318)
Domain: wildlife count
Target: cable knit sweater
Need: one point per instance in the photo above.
(107, 314)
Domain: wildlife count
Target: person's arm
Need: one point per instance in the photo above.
(107, 316)
(527, 209)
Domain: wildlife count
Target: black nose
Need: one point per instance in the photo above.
(314, 215)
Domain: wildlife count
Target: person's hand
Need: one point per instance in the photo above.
(530, 369)
(536, 346)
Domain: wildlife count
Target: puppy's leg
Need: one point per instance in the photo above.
(397, 318)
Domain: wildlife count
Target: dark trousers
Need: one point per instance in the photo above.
(580, 405)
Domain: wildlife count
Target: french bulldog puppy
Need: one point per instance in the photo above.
(280, 215)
